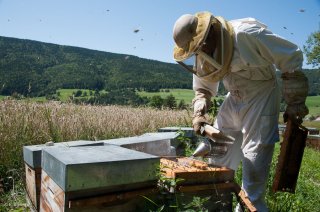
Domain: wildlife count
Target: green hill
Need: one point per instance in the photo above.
(37, 68)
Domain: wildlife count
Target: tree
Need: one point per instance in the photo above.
(77, 93)
(170, 102)
(156, 101)
(312, 49)
(182, 105)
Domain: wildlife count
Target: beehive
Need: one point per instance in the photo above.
(74, 175)
(196, 179)
(195, 171)
(158, 144)
(32, 157)
(201, 180)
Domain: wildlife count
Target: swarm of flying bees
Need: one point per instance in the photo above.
(301, 11)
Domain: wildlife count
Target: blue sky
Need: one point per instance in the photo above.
(108, 25)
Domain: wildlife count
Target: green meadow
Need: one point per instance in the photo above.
(180, 94)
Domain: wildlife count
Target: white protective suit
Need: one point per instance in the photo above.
(251, 109)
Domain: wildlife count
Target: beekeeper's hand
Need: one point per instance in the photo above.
(198, 122)
(295, 91)
(295, 113)
(201, 103)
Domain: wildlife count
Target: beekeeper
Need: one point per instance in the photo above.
(244, 55)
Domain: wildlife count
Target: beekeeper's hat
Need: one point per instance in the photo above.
(189, 33)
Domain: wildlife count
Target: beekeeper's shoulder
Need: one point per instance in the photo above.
(249, 26)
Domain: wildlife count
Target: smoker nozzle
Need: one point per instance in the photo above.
(203, 149)
(211, 148)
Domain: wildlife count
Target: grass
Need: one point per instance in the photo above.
(313, 103)
(307, 193)
(306, 197)
(38, 99)
(315, 124)
(180, 94)
(65, 94)
(28, 123)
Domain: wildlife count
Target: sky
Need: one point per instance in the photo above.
(143, 28)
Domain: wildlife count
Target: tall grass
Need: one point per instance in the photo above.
(307, 195)
(28, 123)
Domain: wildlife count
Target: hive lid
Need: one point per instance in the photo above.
(93, 167)
(32, 153)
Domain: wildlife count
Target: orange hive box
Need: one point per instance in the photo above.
(195, 171)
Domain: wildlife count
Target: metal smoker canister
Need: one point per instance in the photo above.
(211, 148)
(215, 145)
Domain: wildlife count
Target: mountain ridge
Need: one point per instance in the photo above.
(37, 68)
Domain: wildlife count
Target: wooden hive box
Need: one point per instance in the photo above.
(195, 171)
(93, 178)
(200, 179)
(33, 184)
(197, 179)
(32, 158)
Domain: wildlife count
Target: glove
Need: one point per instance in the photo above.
(198, 122)
(295, 91)
(201, 103)
(296, 113)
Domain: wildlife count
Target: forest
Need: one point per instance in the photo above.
(32, 68)
(35, 69)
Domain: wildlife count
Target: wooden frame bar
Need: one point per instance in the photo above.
(290, 158)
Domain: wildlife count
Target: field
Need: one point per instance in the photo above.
(28, 123)
(180, 94)
(313, 102)
(65, 94)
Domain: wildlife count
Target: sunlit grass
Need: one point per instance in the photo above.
(306, 196)
(180, 94)
(28, 123)
(313, 101)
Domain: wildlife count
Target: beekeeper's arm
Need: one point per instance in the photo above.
(288, 58)
(204, 90)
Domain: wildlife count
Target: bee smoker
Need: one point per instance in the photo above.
(216, 143)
